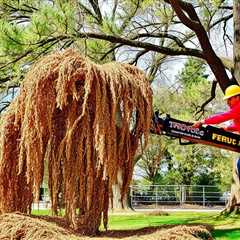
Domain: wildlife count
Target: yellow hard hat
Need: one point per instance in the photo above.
(231, 91)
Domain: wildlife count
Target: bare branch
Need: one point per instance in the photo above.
(14, 9)
(41, 43)
(114, 9)
(7, 79)
(97, 10)
(31, 8)
(88, 11)
(161, 35)
(111, 50)
(125, 23)
(213, 95)
(226, 7)
(5, 105)
(144, 45)
(139, 54)
(223, 19)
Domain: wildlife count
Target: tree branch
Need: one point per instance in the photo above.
(213, 95)
(140, 44)
(97, 10)
(5, 105)
(139, 54)
(210, 56)
(180, 8)
(226, 7)
(88, 11)
(114, 10)
(131, 15)
(150, 35)
(160, 35)
(223, 19)
(39, 44)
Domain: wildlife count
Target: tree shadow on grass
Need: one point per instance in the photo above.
(59, 221)
(148, 230)
(130, 233)
(188, 229)
(233, 233)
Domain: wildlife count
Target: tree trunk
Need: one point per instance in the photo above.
(234, 200)
(236, 46)
(119, 204)
(233, 204)
(116, 189)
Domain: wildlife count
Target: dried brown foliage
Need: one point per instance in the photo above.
(16, 226)
(19, 227)
(82, 120)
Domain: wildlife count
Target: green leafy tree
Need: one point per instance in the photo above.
(144, 33)
(193, 163)
(193, 73)
(150, 161)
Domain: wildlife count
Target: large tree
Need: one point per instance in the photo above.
(31, 28)
(148, 30)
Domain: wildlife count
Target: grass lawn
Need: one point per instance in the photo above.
(225, 227)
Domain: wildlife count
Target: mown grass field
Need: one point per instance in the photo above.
(224, 227)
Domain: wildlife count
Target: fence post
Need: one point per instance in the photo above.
(204, 203)
(131, 196)
(180, 194)
(156, 195)
(183, 194)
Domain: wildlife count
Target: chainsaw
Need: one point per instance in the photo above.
(187, 134)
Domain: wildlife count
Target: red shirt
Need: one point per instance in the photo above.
(233, 114)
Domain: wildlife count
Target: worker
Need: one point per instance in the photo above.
(232, 96)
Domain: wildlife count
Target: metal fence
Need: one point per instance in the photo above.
(156, 196)
(44, 200)
(153, 196)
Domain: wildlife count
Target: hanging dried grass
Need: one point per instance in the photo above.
(84, 122)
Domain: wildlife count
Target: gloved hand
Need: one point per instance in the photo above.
(198, 124)
(225, 128)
